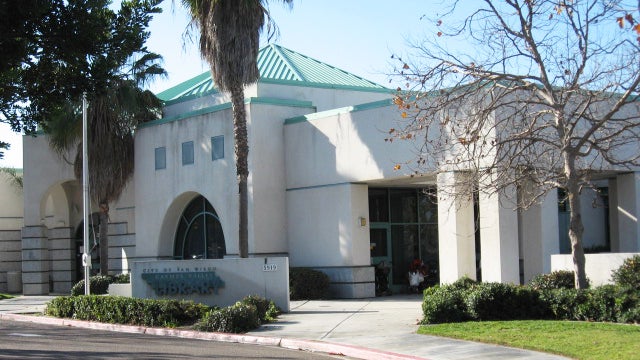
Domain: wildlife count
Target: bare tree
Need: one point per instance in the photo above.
(527, 94)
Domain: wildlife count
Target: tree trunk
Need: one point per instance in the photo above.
(104, 239)
(242, 168)
(576, 228)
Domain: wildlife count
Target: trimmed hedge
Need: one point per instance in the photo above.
(466, 300)
(126, 310)
(238, 318)
(549, 296)
(308, 284)
(267, 309)
(444, 304)
(628, 274)
(98, 285)
(561, 279)
(244, 316)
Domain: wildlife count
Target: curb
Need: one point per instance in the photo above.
(291, 344)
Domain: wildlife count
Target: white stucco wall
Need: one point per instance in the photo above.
(597, 266)
(324, 228)
(53, 196)
(344, 146)
(267, 168)
(322, 98)
(12, 200)
(162, 194)
(43, 171)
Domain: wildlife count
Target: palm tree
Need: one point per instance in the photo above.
(229, 42)
(117, 104)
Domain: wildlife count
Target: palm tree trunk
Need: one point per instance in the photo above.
(104, 239)
(242, 168)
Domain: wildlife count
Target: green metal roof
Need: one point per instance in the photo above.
(281, 65)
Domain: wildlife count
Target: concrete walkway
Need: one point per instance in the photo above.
(377, 328)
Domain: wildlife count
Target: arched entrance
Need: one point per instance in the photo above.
(199, 234)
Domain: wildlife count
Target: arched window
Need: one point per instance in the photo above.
(199, 234)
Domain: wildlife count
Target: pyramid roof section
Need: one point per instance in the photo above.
(278, 64)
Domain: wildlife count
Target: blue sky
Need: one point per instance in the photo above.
(358, 36)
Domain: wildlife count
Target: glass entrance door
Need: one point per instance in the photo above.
(380, 244)
(380, 247)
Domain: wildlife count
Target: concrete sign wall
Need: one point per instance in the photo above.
(219, 282)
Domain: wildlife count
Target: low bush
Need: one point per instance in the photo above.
(267, 309)
(561, 279)
(244, 316)
(125, 310)
(238, 318)
(547, 296)
(599, 305)
(464, 283)
(497, 301)
(443, 304)
(98, 285)
(122, 278)
(308, 284)
(628, 274)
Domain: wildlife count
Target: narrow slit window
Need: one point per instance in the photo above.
(187, 153)
(161, 158)
(217, 147)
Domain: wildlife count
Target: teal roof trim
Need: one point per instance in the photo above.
(277, 64)
(226, 106)
(344, 110)
(185, 88)
(326, 86)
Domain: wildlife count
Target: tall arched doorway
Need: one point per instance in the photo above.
(199, 234)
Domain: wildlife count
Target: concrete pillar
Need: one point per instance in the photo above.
(539, 237)
(35, 261)
(456, 240)
(614, 235)
(62, 254)
(628, 195)
(499, 259)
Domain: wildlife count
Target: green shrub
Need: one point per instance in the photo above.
(561, 279)
(628, 274)
(238, 318)
(61, 307)
(498, 301)
(563, 303)
(444, 304)
(308, 284)
(627, 306)
(267, 309)
(121, 279)
(98, 285)
(125, 310)
(464, 283)
(599, 304)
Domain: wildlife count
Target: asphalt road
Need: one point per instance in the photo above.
(20, 340)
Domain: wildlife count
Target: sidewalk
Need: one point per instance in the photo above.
(374, 328)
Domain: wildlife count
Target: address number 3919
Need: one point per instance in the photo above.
(269, 267)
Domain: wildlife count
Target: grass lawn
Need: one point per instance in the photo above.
(5, 296)
(578, 340)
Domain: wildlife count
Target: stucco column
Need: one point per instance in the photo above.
(35, 260)
(499, 258)
(455, 232)
(539, 237)
(628, 205)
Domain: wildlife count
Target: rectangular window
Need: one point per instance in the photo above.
(187, 153)
(161, 158)
(217, 147)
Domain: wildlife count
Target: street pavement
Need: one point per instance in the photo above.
(375, 328)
